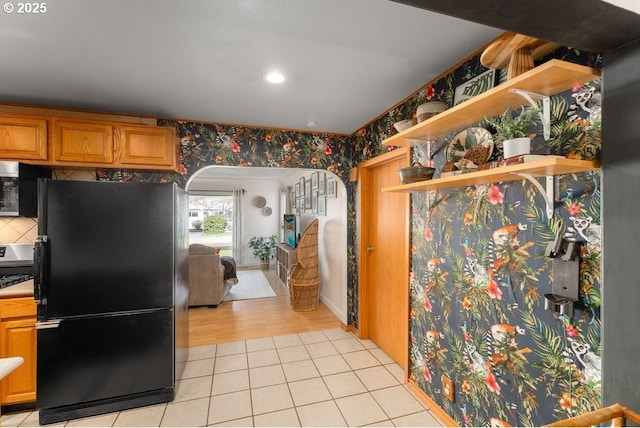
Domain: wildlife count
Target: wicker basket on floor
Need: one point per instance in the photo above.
(305, 297)
(304, 277)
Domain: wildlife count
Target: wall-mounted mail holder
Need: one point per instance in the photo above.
(566, 275)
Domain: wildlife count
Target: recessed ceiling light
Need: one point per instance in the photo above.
(311, 124)
(273, 77)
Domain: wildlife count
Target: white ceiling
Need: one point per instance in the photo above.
(346, 61)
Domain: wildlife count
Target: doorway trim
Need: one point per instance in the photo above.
(364, 212)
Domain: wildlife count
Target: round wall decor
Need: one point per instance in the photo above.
(266, 211)
(259, 201)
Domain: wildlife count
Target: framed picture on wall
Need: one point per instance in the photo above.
(475, 86)
(321, 184)
(314, 202)
(332, 188)
(322, 205)
(307, 194)
(314, 180)
(301, 185)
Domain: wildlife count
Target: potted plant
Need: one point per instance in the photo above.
(263, 248)
(511, 131)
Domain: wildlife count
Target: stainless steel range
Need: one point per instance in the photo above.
(16, 264)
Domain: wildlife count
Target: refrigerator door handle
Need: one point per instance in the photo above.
(47, 324)
(40, 261)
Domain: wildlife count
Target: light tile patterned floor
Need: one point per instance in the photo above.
(320, 378)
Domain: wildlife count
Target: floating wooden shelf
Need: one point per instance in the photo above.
(552, 77)
(546, 167)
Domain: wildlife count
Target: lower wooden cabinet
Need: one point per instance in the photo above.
(18, 338)
(23, 137)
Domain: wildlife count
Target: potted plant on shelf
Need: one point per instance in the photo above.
(511, 131)
(263, 248)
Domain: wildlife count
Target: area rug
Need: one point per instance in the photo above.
(252, 284)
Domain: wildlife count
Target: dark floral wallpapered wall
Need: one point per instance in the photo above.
(479, 274)
(478, 270)
(204, 144)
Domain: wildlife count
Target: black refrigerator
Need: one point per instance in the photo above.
(111, 267)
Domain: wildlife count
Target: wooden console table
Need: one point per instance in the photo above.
(286, 256)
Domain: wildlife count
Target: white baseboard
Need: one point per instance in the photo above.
(336, 311)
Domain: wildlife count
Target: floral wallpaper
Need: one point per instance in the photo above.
(478, 279)
(479, 274)
(478, 269)
(203, 144)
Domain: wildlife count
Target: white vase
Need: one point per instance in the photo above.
(516, 147)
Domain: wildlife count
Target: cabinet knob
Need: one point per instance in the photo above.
(369, 248)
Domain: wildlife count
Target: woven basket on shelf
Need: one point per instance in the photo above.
(304, 279)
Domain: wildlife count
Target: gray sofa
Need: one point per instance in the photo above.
(206, 276)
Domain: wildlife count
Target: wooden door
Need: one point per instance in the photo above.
(23, 137)
(146, 147)
(384, 227)
(79, 143)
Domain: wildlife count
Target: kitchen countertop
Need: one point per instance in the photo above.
(7, 365)
(23, 289)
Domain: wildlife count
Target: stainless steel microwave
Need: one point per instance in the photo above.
(19, 190)
(9, 189)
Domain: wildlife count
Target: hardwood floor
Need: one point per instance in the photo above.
(249, 319)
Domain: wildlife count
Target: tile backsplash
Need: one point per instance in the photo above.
(25, 230)
(18, 229)
(74, 174)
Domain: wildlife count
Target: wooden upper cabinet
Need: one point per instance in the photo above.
(146, 147)
(23, 137)
(82, 143)
(87, 142)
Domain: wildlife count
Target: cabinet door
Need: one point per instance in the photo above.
(18, 338)
(78, 143)
(23, 137)
(146, 147)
